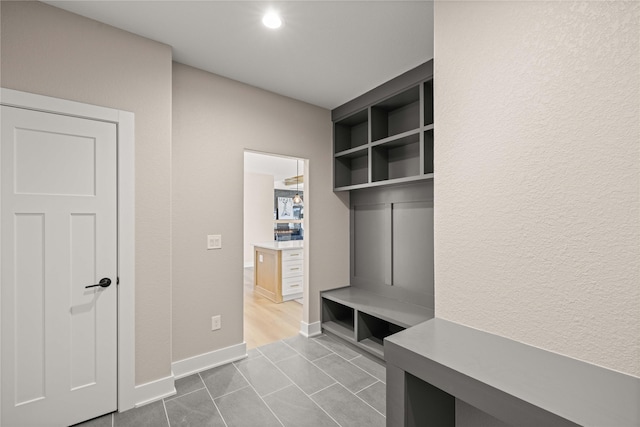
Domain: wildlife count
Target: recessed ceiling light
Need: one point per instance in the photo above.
(272, 20)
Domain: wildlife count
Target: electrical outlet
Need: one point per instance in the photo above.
(216, 322)
(214, 241)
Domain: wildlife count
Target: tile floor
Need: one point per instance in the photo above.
(295, 382)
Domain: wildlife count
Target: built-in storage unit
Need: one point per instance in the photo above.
(279, 270)
(364, 319)
(386, 135)
(383, 155)
(435, 363)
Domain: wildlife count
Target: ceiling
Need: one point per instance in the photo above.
(326, 53)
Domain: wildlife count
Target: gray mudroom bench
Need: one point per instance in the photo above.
(435, 362)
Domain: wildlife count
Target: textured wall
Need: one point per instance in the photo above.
(214, 120)
(538, 165)
(52, 52)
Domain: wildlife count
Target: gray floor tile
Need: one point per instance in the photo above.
(295, 409)
(307, 347)
(376, 396)
(251, 353)
(263, 375)
(103, 421)
(376, 368)
(277, 351)
(195, 409)
(305, 374)
(223, 379)
(346, 373)
(244, 408)
(337, 346)
(151, 415)
(346, 408)
(187, 385)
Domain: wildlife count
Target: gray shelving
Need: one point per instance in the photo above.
(351, 167)
(351, 132)
(365, 319)
(386, 135)
(398, 158)
(395, 115)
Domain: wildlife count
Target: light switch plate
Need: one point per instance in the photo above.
(214, 241)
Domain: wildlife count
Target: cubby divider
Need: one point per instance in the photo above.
(428, 151)
(388, 139)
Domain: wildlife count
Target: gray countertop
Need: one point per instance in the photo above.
(284, 245)
(583, 393)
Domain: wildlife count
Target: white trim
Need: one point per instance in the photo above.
(199, 363)
(309, 330)
(155, 390)
(126, 220)
(248, 264)
(126, 261)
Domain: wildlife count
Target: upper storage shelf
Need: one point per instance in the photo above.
(396, 115)
(386, 135)
(351, 132)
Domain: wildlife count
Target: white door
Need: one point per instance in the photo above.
(59, 235)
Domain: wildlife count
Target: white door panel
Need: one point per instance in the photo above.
(59, 234)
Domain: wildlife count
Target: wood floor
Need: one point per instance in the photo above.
(265, 321)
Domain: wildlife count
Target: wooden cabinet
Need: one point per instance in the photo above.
(279, 270)
(386, 135)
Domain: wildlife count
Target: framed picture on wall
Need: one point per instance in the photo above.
(285, 208)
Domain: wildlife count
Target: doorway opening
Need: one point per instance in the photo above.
(274, 237)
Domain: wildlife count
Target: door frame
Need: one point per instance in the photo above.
(124, 121)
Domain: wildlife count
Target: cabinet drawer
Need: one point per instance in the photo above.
(292, 285)
(292, 255)
(291, 269)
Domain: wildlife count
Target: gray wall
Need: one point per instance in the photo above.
(51, 52)
(214, 120)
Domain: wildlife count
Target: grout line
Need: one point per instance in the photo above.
(246, 359)
(166, 414)
(291, 347)
(365, 371)
(366, 403)
(258, 394)
(286, 358)
(231, 392)
(182, 395)
(335, 352)
(324, 357)
(305, 356)
(214, 402)
(347, 388)
(323, 389)
(308, 395)
(275, 391)
(370, 385)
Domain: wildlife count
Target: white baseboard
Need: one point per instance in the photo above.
(309, 330)
(199, 363)
(155, 390)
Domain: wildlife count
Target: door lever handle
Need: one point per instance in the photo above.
(103, 283)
